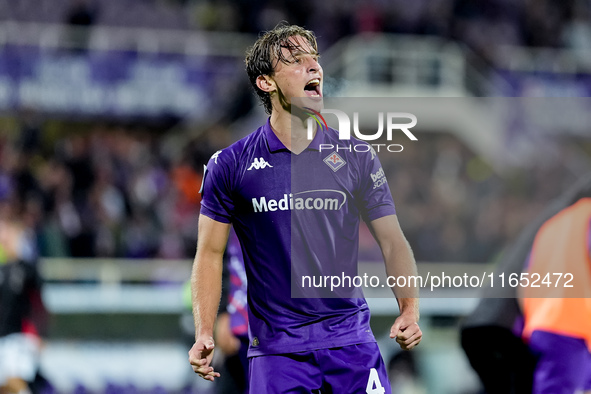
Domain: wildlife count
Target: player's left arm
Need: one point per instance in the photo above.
(400, 261)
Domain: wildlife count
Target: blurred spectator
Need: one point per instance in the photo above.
(76, 215)
(545, 23)
(577, 32)
(29, 140)
(81, 16)
(210, 15)
(81, 13)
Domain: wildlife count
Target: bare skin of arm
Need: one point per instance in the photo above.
(206, 286)
(399, 261)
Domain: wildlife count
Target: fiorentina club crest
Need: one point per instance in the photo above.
(334, 161)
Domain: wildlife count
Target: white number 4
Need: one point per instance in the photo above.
(374, 386)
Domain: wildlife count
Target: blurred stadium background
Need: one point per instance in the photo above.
(110, 108)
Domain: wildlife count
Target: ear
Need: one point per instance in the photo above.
(266, 83)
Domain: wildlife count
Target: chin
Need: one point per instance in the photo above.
(315, 103)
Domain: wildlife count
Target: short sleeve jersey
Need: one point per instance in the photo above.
(291, 211)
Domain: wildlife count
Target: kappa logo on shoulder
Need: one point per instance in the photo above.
(214, 157)
(258, 164)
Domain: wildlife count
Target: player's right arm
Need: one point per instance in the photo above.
(400, 262)
(206, 284)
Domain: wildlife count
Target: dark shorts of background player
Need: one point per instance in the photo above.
(235, 371)
(348, 369)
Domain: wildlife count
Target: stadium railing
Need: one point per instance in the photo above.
(105, 286)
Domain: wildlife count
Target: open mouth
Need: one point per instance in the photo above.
(312, 88)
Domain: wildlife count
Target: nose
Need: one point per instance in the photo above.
(313, 65)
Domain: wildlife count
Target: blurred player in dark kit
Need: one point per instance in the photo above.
(297, 344)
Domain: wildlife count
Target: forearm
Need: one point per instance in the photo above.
(206, 277)
(400, 262)
(409, 306)
(206, 286)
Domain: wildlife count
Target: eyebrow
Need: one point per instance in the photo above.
(312, 52)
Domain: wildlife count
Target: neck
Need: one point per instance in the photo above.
(290, 130)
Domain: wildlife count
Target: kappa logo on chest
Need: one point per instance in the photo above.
(258, 164)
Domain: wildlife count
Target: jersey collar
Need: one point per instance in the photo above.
(273, 142)
(275, 145)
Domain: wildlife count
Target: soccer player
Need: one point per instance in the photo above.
(537, 339)
(558, 329)
(293, 205)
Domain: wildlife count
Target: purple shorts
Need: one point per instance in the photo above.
(347, 369)
(564, 363)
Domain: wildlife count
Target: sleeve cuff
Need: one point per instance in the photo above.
(214, 215)
(379, 212)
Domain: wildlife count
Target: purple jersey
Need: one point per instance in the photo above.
(291, 211)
